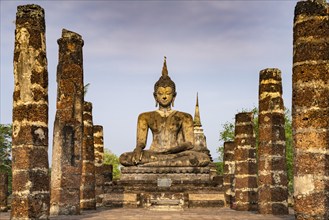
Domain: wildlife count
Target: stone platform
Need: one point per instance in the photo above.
(164, 188)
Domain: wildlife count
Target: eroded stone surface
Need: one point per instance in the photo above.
(99, 159)
(30, 197)
(3, 192)
(310, 110)
(272, 170)
(245, 188)
(68, 127)
(87, 187)
(228, 173)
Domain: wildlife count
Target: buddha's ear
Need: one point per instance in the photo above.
(155, 95)
(174, 95)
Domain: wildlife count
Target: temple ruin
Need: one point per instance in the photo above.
(30, 197)
(272, 169)
(68, 127)
(99, 159)
(228, 173)
(87, 187)
(3, 192)
(310, 110)
(245, 188)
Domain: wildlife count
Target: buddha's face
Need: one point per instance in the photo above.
(164, 96)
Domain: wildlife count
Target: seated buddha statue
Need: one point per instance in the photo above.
(173, 138)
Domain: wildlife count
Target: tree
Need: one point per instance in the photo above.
(227, 134)
(5, 150)
(111, 159)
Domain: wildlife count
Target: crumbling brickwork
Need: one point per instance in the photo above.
(87, 188)
(245, 163)
(3, 191)
(68, 127)
(30, 198)
(228, 173)
(99, 159)
(310, 110)
(272, 170)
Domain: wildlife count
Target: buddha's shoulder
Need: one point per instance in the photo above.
(183, 114)
(147, 114)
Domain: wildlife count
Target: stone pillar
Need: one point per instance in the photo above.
(3, 191)
(272, 169)
(30, 198)
(68, 127)
(245, 163)
(99, 159)
(310, 110)
(87, 188)
(98, 145)
(228, 173)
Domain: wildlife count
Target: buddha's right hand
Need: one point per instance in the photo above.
(137, 155)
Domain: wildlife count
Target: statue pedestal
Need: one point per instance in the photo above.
(165, 188)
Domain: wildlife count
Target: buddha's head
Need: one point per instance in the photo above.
(164, 88)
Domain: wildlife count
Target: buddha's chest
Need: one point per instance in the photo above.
(166, 125)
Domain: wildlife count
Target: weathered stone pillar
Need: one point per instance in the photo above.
(87, 188)
(245, 163)
(272, 169)
(3, 191)
(310, 110)
(228, 172)
(30, 117)
(68, 127)
(99, 159)
(98, 145)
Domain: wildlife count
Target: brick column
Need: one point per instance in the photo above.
(272, 169)
(87, 188)
(3, 191)
(30, 198)
(68, 127)
(310, 110)
(99, 159)
(245, 163)
(228, 172)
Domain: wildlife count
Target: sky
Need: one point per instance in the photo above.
(213, 48)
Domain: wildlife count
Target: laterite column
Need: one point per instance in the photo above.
(68, 127)
(228, 172)
(245, 163)
(310, 110)
(99, 159)
(87, 188)
(272, 169)
(30, 198)
(3, 192)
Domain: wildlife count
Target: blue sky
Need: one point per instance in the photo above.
(215, 48)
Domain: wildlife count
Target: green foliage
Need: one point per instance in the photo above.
(5, 151)
(289, 149)
(226, 134)
(85, 89)
(219, 167)
(112, 159)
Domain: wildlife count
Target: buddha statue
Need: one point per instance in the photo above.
(173, 138)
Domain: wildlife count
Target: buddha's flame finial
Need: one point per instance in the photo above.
(164, 68)
(197, 120)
